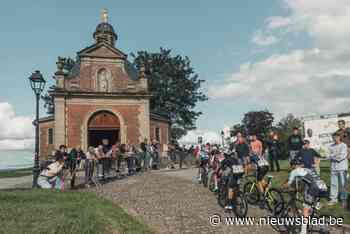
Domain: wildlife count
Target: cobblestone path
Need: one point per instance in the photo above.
(171, 202)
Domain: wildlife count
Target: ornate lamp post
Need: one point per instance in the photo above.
(37, 83)
(222, 138)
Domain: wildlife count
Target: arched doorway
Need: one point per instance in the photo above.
(103, 125)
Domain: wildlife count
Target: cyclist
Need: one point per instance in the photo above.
(313, 189)
(262, 167)
(232, 169)
(215, 159)
(203, 162)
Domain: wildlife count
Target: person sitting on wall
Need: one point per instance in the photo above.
(52, 175)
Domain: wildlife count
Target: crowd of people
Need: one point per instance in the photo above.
(103, 162)
(250, 154)
(245, 155)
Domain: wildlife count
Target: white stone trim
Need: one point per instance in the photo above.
(99, 101)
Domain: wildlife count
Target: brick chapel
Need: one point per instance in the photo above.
(102, 96)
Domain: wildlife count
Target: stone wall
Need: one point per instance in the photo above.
(164, 132)
(132, 127)
(45, 149)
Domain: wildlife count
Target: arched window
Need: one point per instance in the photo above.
(103, 80)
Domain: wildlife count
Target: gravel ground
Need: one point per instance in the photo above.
(171, 202)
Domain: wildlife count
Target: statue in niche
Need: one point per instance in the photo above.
(103, 81)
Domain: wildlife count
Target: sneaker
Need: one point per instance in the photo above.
(228, 207)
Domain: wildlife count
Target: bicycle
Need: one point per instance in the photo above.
(292, 211)
(240, 202)
(271, 196)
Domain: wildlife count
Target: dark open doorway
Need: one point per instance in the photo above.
(96, 137)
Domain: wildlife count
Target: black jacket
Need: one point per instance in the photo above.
(295, 142)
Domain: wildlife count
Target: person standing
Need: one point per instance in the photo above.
(256, 146)
(145, 154)
(81, 158)
(308, 156)
(316, 145)
(100, 157)
(295, 144)
(242, 150)
(339, 167)
(344, 134)
(90, 160)
(274, 150)
(106, 161)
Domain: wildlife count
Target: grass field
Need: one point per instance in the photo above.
(280, 177)
(42, 211)
(16, 173)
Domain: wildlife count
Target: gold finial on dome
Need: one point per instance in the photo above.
(104, 15)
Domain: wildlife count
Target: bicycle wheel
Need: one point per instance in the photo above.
(241, 205)
(223, 195)
(251, 192)
(205, 178)
(280, 227)
(292, 213)
(273, 198)
(211, 182)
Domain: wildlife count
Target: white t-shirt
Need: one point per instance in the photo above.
(298, 172)
(314, 142)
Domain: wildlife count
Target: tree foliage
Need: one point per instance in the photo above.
(175, 87)
(258, 122)
(238, 128)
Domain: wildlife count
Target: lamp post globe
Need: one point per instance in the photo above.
(37, 83)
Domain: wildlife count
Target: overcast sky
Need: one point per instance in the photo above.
(289, 56)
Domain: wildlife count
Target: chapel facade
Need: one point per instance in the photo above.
(99, 96)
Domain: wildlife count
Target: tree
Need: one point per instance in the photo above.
(175, 88)
(258, 122)
(238, 128)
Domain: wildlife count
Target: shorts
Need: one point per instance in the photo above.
(233, 181)
(261, 172)
(309, 199)
(246, 160)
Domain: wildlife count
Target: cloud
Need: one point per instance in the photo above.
(276, 22)
(24, 144)
(16, 132)
(208, 136)
(261, 39)
(305, 80)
